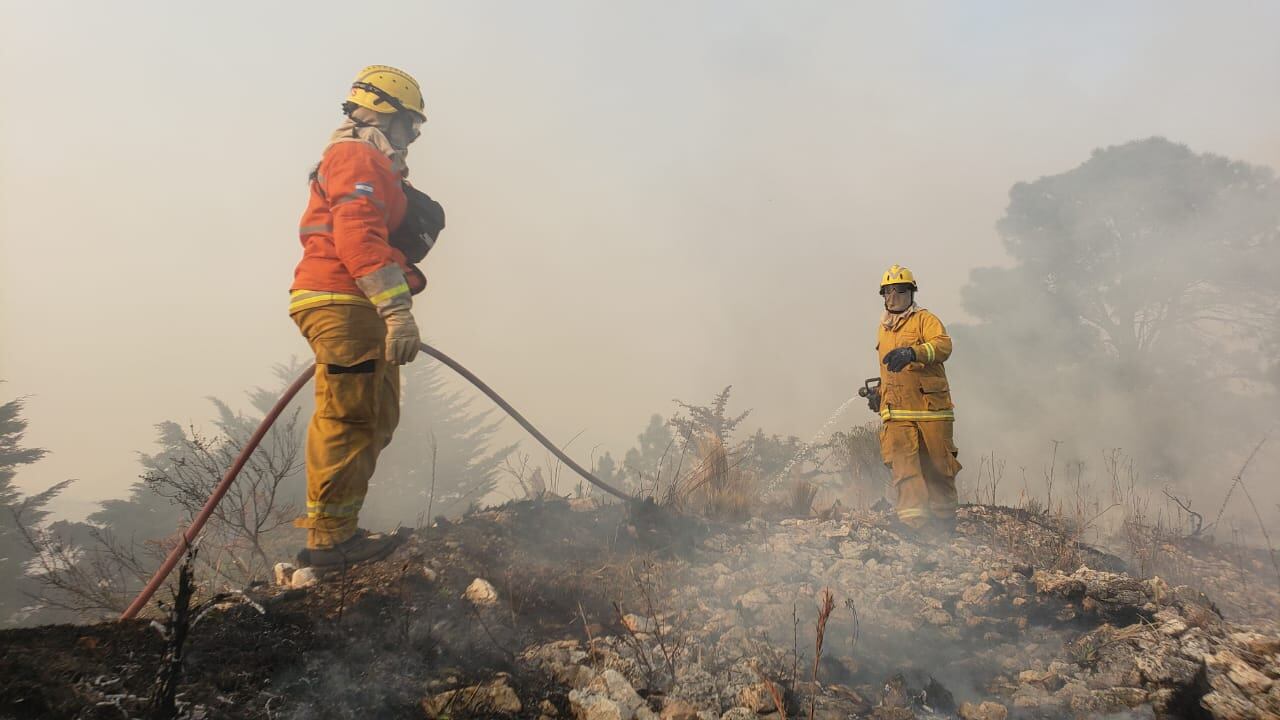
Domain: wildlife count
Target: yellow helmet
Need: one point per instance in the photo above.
(384, 89)
(897, 275)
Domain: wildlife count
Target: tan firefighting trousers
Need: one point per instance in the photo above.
(921, 457)
(357, 410)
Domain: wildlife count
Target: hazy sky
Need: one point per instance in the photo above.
(646, 200)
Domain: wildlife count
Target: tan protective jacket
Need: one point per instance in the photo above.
(920, 391)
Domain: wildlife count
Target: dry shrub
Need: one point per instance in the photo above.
(716, 488)
(801, 493)
(857, 454)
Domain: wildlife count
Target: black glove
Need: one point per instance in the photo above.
(873, 401)
(899, 358)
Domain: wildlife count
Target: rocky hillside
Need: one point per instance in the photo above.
(546, 610)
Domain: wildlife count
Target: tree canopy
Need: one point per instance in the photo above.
(1143, 295)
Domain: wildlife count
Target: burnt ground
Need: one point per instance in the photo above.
(377, 638)
(613, 612)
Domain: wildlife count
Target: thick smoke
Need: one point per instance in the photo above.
(1138, 323)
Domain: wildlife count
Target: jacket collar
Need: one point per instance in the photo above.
(352, 130)
(893, 321)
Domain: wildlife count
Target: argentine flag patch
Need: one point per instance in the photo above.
(363, 188)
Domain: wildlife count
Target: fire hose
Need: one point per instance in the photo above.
(197, 524)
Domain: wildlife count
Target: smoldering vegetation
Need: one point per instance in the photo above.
(1116, 390)
(565, 608)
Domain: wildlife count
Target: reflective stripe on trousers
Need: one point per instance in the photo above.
(889, 413)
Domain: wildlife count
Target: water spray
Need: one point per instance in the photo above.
(804, 448)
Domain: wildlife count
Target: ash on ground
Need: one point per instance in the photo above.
(552, 609)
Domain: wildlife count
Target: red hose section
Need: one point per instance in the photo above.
(198, 523)
(523, 423)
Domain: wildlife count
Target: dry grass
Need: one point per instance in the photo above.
(801, 493)
(716, 488)
(826, 605)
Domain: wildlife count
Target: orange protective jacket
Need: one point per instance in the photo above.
(356, 201)
(920, 391)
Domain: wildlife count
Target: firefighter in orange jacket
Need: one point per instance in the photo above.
(914, 401)
(351, 298)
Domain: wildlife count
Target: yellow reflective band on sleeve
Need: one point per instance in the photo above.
(385, 295)
(303, 299)
(314, 229)
(917, 415)
(929, 352)
(910, 513)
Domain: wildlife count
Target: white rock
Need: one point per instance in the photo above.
(1257, 643)
(754, 598)
(305, 577)
(983, 711)
(678, 709)
(284, 573)
(495, 696)
(757, 697)
(1245, 677)
(591, 706)
(722, 584)
(608, 697)
(615, 687)
(1158, 589)
(429, 574)
(937, 617)
(976, 594)
(1173, 627)
(481, 593)
(639, 623)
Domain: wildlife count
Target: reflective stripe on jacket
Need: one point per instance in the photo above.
(920, 391)
(356, 201)
(303, 299)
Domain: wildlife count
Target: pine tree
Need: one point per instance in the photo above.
(15, 509)
(143, 514)
(655, 459)
(607, 471)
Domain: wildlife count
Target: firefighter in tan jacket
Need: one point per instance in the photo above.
(914, 401)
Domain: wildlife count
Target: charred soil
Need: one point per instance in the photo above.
(544, 609)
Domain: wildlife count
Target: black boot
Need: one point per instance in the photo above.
(361, 547)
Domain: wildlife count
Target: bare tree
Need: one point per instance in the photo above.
(252, 508)
(92, 577)
(89, 571)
